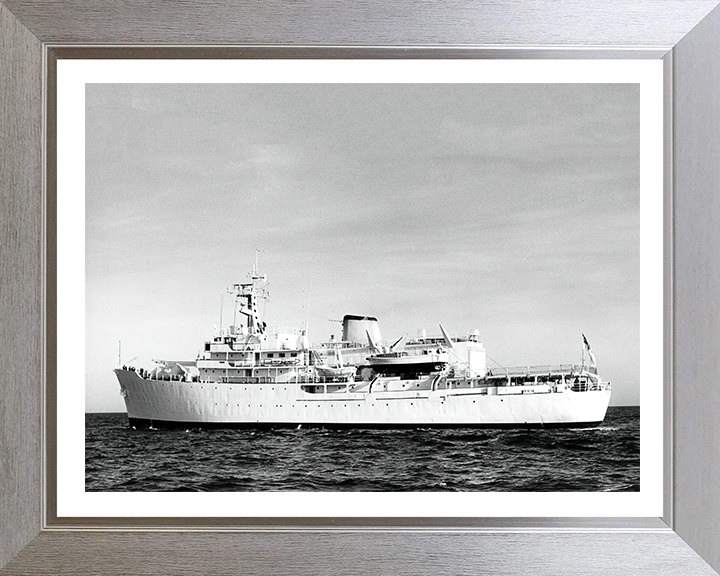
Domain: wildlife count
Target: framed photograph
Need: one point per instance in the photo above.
(491, 315)
(302, 178)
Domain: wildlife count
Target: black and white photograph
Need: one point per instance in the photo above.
(371, 287)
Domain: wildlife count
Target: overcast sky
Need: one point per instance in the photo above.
(510, 208)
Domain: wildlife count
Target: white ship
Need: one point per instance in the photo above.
(250, 375)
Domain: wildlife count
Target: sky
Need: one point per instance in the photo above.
(508, 208)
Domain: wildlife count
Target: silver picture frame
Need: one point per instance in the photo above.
(685, 34)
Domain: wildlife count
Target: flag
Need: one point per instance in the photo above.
(593, 363)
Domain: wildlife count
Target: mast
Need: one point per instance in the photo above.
(221, 313)
(247, 295)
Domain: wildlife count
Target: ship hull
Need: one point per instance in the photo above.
(165, 424)
(206, 404)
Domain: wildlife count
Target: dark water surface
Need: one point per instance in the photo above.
(605, 458)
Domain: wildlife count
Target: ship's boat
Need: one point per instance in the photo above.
(251, 375)
(405, 363)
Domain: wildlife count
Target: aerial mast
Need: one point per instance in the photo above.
(221, 314)
(246, 296)
(255, 266)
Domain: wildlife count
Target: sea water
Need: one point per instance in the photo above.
(603, 458)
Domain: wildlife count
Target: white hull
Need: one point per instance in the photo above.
(206, 403)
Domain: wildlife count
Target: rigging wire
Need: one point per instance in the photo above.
(496, 362)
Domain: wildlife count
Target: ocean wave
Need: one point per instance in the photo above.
(603, 458)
